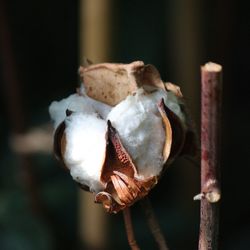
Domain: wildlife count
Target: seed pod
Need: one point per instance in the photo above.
(119, 131)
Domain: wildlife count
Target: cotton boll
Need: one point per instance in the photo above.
(119, 151)
(137, 121)
(85, 148)
(140, 127)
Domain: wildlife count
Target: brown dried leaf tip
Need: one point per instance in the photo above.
(119, 131)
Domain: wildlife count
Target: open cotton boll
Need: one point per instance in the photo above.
(118, 151)
(140, 127)
(85, 148)
(137, 120)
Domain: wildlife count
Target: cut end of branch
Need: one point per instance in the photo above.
(213, 197)
(211, 190)
(212, 67)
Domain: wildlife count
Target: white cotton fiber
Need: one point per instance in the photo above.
(101, 108)
(140, 127)
(86, 148)
(137, 120)
(76, 103)
(170, 100)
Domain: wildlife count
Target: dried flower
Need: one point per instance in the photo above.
(119, 131)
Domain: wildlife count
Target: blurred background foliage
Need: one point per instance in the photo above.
(39, 57)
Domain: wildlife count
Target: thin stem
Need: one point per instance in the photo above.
(153, 224)
(129, 229)
(211, 77)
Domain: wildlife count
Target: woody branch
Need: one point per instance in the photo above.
(211, 80)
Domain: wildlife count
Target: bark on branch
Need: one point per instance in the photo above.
(211, 89)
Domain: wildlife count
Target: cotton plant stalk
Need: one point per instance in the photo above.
(211, 92)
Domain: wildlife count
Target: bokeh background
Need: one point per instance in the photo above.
(42, 44)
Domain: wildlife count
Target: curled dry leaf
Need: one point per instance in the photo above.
(121, 129)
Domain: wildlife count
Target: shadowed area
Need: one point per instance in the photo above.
(39, 59)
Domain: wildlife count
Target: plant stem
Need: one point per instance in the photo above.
(211, 89)
(129, 229)
(153, 224)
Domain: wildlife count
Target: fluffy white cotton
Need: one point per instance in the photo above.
(170, 100)
(86, 148)
(137, 120)
(76, 103)
(140, 127)
(101, 108)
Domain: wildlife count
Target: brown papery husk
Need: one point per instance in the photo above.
(122, 188)
(111, 83)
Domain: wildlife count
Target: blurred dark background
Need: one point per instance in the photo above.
(40, 51)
